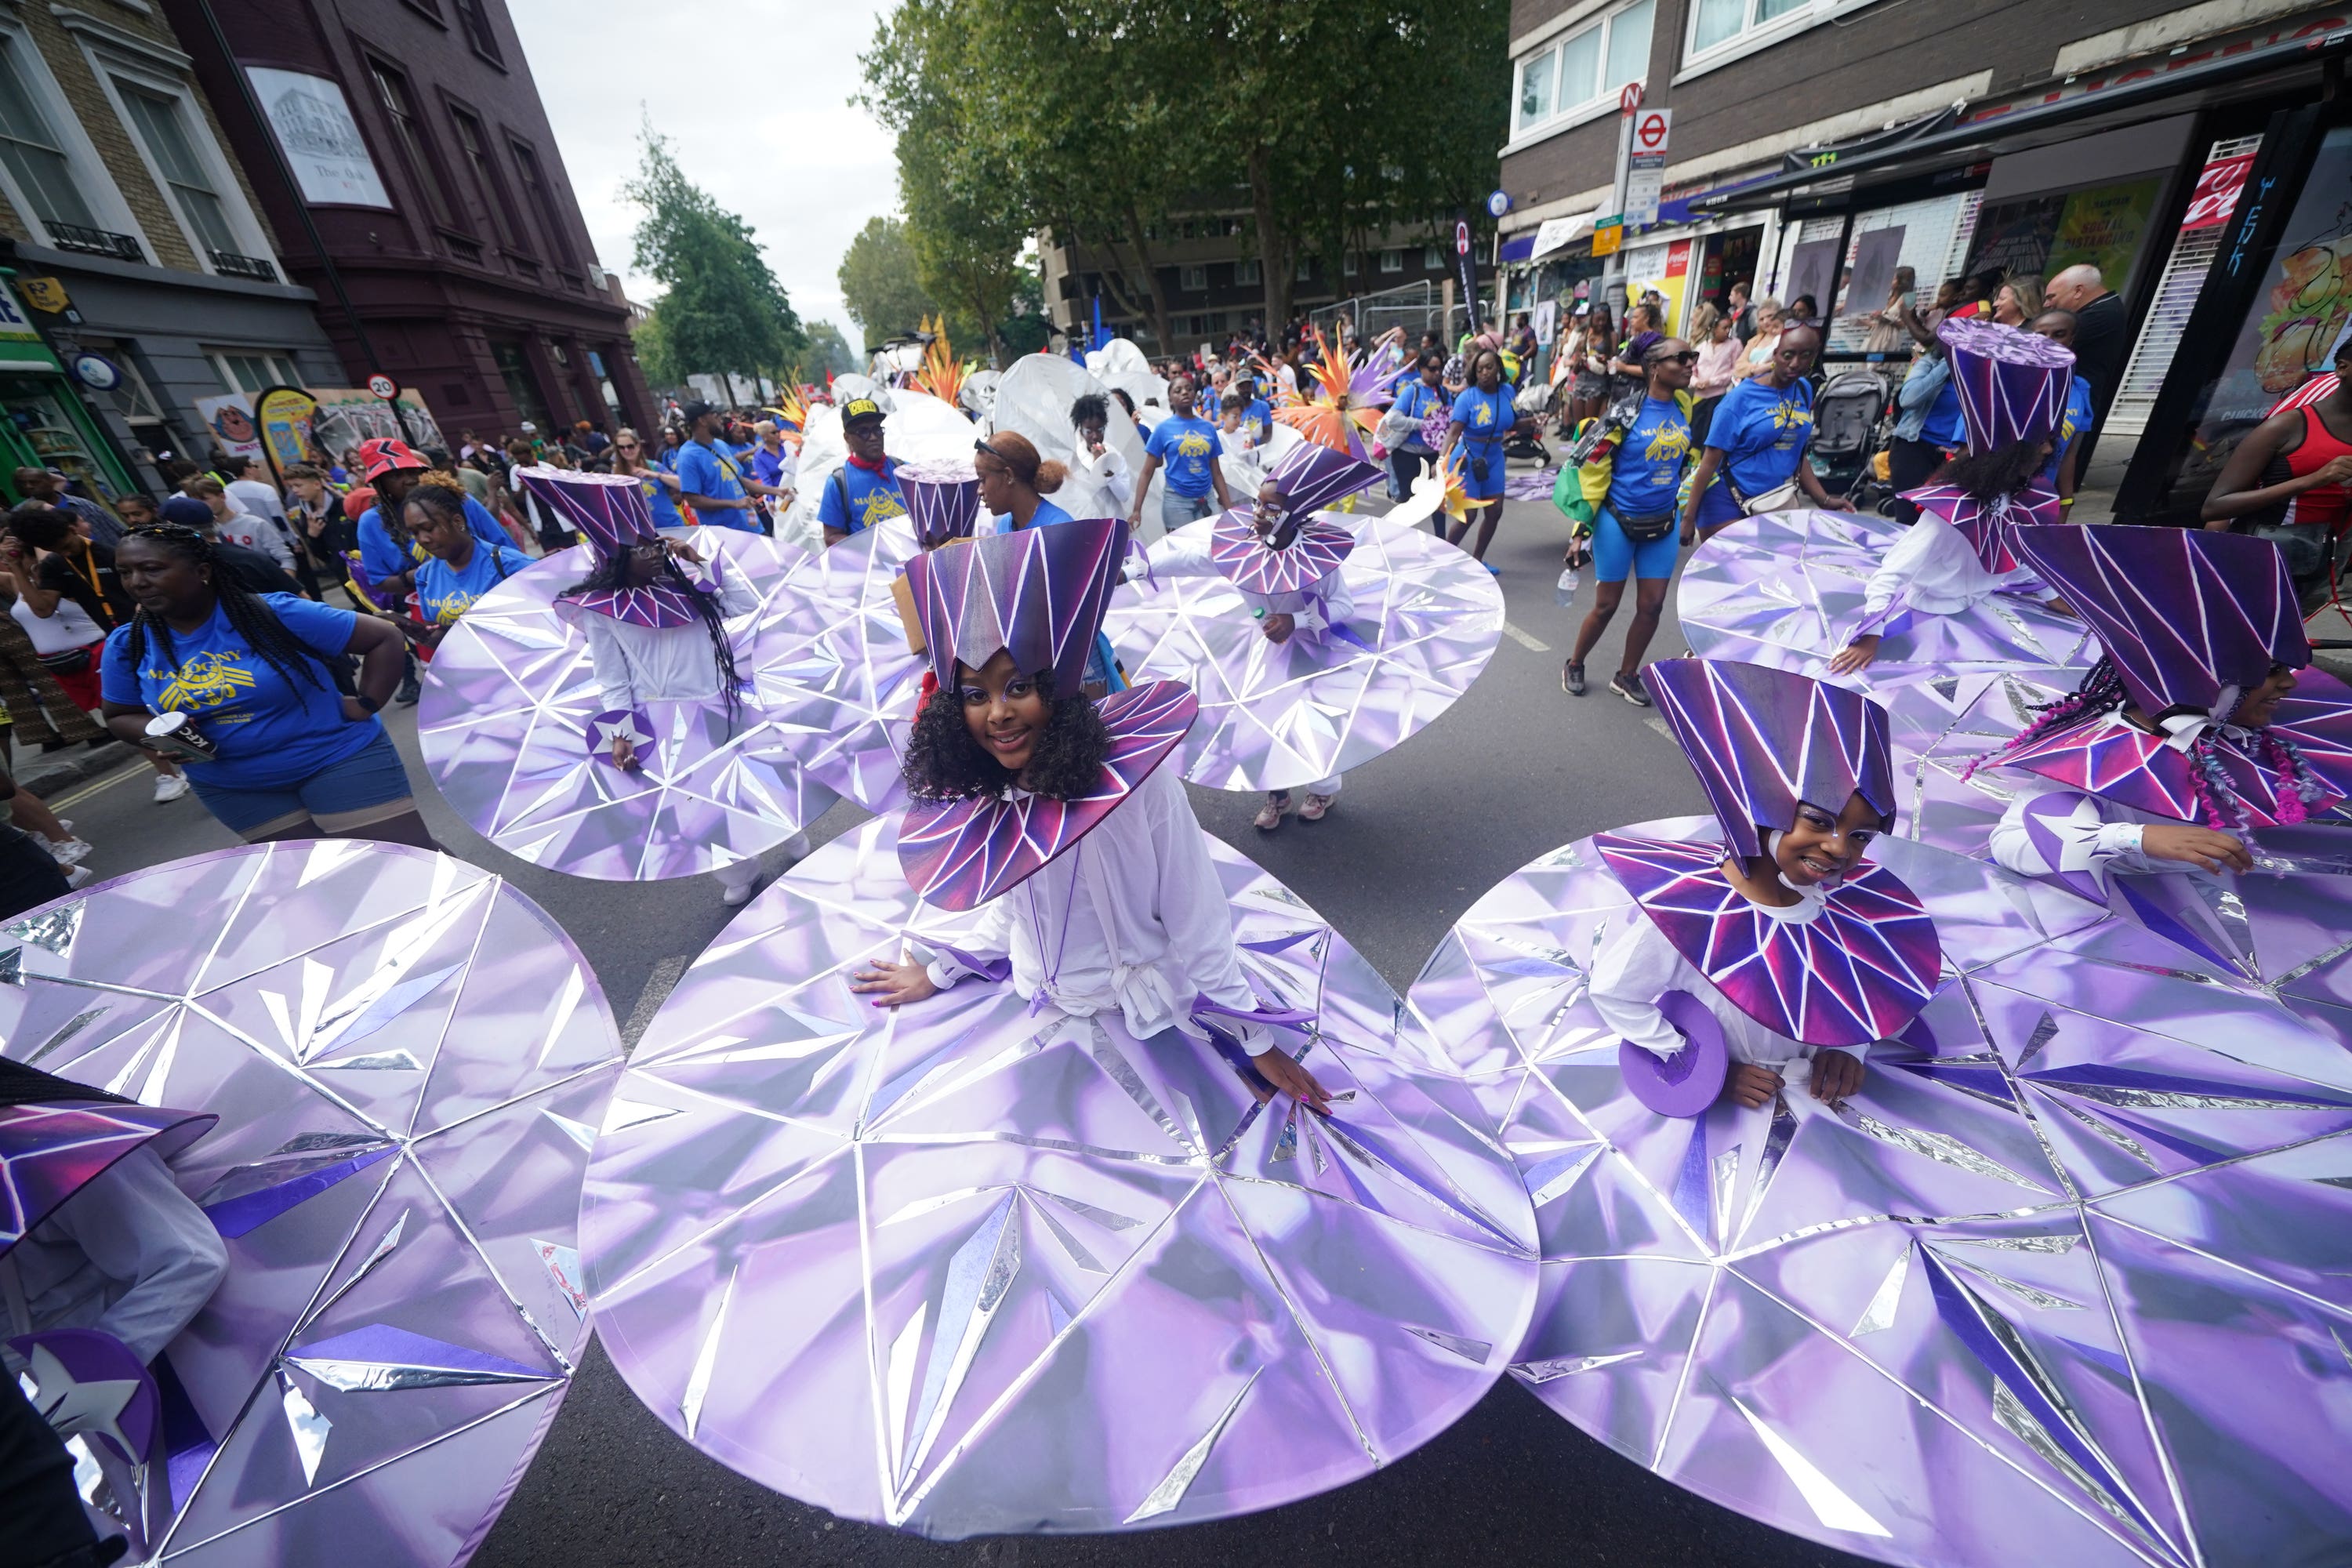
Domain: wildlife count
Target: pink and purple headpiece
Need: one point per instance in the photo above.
(1762, 740)
(58, 1136)
(1303, 550)
(1039, 593)
(942, 500)
(2189, 618)
(1311, 477)
(2012, 382)
(610, 513)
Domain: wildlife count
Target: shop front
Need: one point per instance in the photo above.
(43, 423)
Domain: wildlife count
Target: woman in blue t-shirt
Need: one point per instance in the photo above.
(1416, 400)
(458, 568)
(1635, 530)
(1757, 439)
(1483, 417)
(254, 673)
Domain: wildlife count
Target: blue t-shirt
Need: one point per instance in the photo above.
(1258, 415)
(767, 466)
(1649, 462)
(382, 556)
(443, 593)
(1942, 426)
(271, 735)
(1046, 516)
(2072, 422)
(705, 470)
(1485, 416)
(873, 497)
(665, 511)
(1415, 401)
(1185, 447)
(1763, 434)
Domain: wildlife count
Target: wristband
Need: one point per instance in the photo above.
(369, 703)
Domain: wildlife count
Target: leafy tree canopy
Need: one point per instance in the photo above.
(723, 311)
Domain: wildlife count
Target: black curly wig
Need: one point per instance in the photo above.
(944, 762)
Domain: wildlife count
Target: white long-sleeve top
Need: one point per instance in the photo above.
(129, 1254)
(1934, 569)
(1112, 481)
(2096, 837)
(1132, 918)
(661, 664)
(1638, 966)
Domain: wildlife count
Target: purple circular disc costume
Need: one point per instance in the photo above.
(846, 660)
(1424, 621)
(408, 1061)
(508, 726)
(2060, 1283)
(1785, 589)
(971, 1265)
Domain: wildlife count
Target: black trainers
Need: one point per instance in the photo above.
(1628, 685)
(1571, 679)
(408, 693)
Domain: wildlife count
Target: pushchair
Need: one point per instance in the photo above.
(1848, 420)
(1533, 404)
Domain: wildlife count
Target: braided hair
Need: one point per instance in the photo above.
(1990, 476)
(248, 614)
(611, 574)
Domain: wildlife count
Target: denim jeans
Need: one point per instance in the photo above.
(1176, 511)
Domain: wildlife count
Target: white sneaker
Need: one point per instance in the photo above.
(735, 898)
(76, 875)
(169, 787)
(69, 851)
(798, 846)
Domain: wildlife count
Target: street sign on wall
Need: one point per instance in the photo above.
(1646, 163)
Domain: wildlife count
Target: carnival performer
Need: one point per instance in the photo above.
(1187, 447)
(126, 1253)
(656, 633)
(2012, 386)
(2188, 735)
(1113, 480)
(459, 568)
(1055, 814)
(864, 490)
(1014, 482)
(1793, 949)
(1625, 521)
(1483, 417)
(1756, 441)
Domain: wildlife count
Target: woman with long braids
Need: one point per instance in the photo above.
(274, 751)
(2011, 388)
(2191, 733)
(1056, 814)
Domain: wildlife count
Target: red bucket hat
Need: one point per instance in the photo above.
(384, 455)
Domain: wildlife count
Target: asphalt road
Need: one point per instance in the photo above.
(1516, 768)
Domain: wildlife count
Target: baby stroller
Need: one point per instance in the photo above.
(1533, 404)
(1847, 419)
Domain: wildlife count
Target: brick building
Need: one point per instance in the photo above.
(1818, 145)
(410, 134)
(146, 271)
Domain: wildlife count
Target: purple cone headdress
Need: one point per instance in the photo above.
(609, 511)
(1308, 477)
(942, 500)
(2012, 382)
(1038, 594)
(1762, 740)
(1311, 477)
(58, 1136)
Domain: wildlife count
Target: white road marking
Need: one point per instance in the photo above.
(1654, 723)
(1531, 644)
(135, 770)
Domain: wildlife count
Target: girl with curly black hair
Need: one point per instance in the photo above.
(949, 757)
(277, 753)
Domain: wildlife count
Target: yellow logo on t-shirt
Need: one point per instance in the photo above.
(1192, 443)
(1789, 413)
(1667, 440)
(879, 503)
(447, 610)
(206, 680)
(1485, 414)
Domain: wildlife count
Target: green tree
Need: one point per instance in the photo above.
(879, 282)
(723, 311)
(827, 351)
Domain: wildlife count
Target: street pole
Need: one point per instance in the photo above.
(1613, 269)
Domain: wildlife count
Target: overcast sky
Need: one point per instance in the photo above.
(756, 107)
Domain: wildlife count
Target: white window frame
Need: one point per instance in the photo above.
(91, 176)
(1350, 265)
(1432, 258)
(1392, 259)
(1246, 273)
(1754, 37)
(1568, 117)
(283, 370)
(1193, 278)
(158, 70)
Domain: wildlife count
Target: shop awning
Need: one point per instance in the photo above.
(1518, 247)
(1560, 232)
(2035, 125)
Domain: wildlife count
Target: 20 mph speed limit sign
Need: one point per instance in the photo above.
(384, 386)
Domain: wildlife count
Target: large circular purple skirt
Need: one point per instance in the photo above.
(845, 661)
(508, 727)
(409, 1061)
(1425, 620)
(1785, 589)
(969, 1267)
(2063, 1282)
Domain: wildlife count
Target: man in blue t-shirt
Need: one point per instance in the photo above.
(2059, 473)
(864, 490)
(1257, 414)
(1188, 448)
(710, 476)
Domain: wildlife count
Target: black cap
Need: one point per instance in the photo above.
(691, 412)
(859, 408)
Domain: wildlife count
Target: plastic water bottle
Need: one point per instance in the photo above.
(1564, 592)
